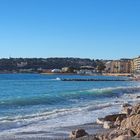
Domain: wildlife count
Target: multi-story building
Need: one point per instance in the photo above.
(132, 66)
(136, 65)
(125, 66)
(119, 66)
(108, 67)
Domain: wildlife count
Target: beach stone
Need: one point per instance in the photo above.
(89, 137)
(78, 133)
(137, 136)
(119, 119)
(136, 109)
(102, 137)
(117, 132)
(108, 125)
(127, 111)
(112, 118)
(126, 105)
(132, 123)
(123, 137)
(100, 121)
(131, 133)
(137, 96)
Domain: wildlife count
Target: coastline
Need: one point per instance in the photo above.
(118, 74)
(94, 130)
(113, 96)
(122, 126)
(61, 133)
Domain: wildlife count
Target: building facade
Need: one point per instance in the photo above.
(119, 66)
(136, 65)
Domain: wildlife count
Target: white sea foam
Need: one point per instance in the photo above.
(8, 122)
(119, 88)
(56, 79)
(85, 113)
(51, 121)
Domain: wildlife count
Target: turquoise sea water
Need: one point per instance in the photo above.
(34, 101)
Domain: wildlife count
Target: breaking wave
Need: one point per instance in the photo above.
(70, 96)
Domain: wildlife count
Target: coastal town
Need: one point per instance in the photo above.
(70, 70)
(121, 67)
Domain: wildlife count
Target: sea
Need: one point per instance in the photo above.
(37, 105)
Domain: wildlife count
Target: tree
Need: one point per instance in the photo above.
(101, 67)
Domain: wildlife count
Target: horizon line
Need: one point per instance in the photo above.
(65, 57)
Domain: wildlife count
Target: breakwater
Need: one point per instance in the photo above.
(75, 79)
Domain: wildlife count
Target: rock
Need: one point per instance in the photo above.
(108, 125)
(78, 133)
(137, 136)
(95, 137)
(110, 118)
(110, 121)
(89, 137)
(119, 120)
(131, 133)
(137, 96)
(116, 133)
(123, 137)
(126, 105)
(136, 109)
(132, 123)
(100, 121)
(127, 111)
(102, 137)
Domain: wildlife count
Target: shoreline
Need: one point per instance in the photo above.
(122, 126)
(45, 129)
(61, 133)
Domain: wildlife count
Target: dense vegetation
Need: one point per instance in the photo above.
(16, 64)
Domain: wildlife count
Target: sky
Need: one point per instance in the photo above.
(96, 29)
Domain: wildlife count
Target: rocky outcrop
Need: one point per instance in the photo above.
(126, 105)
(137, 96)
(127, 127)
(137, 137)
(136, 109)
(130, 110)
(119, 119)
(132, 123)
(78, 133)
(112, 119)
(117, 132)
(123, 137)
(124, 126)
(108, 125)
(127, 109)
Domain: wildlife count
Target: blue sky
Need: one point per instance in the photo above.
(103, 29)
